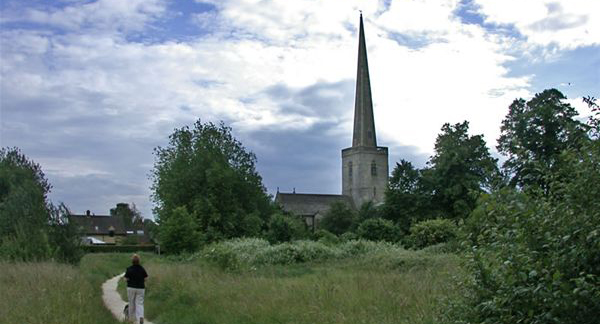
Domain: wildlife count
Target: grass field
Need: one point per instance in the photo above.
(405, 287)
(57, 293)
(402, 288)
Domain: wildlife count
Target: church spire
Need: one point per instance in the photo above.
(364, 123)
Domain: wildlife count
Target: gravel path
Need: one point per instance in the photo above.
(112, 299)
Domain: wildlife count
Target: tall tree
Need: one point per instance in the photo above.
(460, 170)
(406, 199)
(207, 171)
(130, 214)
(24, 210)
(533, 135)
(31, 227)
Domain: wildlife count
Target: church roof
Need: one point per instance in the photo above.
(364, 123)
(309, 204)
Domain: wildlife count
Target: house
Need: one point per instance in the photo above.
(106, 229)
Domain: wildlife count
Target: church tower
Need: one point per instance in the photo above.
(364, 165)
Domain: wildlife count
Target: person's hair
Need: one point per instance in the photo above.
(135, 259)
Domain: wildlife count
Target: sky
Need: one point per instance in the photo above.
(89, 88)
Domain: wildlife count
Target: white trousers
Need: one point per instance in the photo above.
(136, 303)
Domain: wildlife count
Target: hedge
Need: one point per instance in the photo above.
(118, 248)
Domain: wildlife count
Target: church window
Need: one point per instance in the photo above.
(373, 168)
(350, 169)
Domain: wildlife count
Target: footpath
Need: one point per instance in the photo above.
(112, 299)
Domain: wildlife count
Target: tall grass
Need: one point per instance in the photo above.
(386, 285)
(47, 292)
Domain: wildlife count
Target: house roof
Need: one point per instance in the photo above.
(309, 204)
(99, 224)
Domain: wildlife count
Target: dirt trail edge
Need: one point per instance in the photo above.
(112, 299)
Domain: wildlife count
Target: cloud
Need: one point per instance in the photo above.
(89, 89)
(566, 24)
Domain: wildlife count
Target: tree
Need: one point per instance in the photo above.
(284, 228)
(179, 232)
(533, 135)
(339, 218)
(130, 215)
(32, 228)
(378, 229)
(459, 171)
(406, 199)
(24, 210)
(207, 171)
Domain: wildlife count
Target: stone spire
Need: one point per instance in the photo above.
(364, 123)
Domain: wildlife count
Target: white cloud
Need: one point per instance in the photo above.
(132, 94)
(565, 23)
(105, 15)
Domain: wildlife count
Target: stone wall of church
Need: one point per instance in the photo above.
(365, 174)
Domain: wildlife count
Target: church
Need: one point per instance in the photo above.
(365, 168)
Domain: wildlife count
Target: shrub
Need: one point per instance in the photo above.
(339, 218)
(535, 260)
(284, 228)
(178, 232)
(378, 229)
(431, 232)
(251, 252)
(348, 236)
(325, 236)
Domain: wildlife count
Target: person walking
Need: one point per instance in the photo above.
(136, 276)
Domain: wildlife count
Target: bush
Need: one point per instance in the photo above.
(378, 229)
(348, 236)
(431, 232)
(325, 236)
(108, 248)
(252, 252)
(284, 228)
(339, 218)
(535, 260)
(178, 232)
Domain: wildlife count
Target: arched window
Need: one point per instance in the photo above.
(373, 168)
(350, 169)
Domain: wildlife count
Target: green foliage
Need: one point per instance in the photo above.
(407, 199)
(378, 229)
(252, 252)
(24, 211)
(431, 232)
(64, 237)
(368, 210)
(325, 236)
(460, 170)
(385, 285)
(533, 136)
(31, 228)
(179, 232)
(348, 236)
(208, 171)
(129, 215)
(339, 218)
(535, 258)
(284, 228)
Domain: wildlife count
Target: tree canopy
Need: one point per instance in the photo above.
(32, 228)
(533, 135)
(458, 172)
(207, 171)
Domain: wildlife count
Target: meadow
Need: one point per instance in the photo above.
(377, 283)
